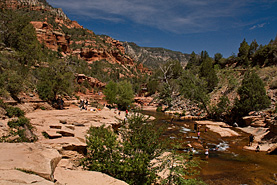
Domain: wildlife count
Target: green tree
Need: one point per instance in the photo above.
(243, 54)
(252, 95)
(193, 61)
(208, 73)
(195, 89)
(253, 48)
(103, 151)
(56, 79)
(110, 92)
(125, 95)
(119, 93)
(12, 82)
(217, 57)
(265, 55)
(19, 34)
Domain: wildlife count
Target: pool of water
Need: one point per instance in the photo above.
(228, 162)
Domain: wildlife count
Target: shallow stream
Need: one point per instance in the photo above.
(228, 162)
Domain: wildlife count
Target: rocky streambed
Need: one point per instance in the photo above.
(54, 158)
(231, 160)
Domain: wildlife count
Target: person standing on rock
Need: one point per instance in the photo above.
(198, 135)
(207, 152)
(86, 104)
(195, 127)
(81, 104)
(251, 139)
(257, 148)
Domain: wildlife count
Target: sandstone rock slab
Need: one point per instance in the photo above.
(68, 177)
(33, 157)
(66, 133)
(15, 177)
(52, 134)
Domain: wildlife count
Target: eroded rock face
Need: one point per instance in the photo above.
(31, 157)
(52, 39)
(94, 82)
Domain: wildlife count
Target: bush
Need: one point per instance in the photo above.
(130, 158)
(14, 112)
(20, 122)
(252, 95)
(24, 130)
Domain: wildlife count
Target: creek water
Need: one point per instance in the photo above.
(228, 162)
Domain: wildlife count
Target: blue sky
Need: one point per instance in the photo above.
(217, 26)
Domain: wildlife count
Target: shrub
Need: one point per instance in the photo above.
(20, 122)
(130, 158)
(24, 130)
(14, 112)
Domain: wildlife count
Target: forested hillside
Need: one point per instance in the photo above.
(153, 57)
(43, 51)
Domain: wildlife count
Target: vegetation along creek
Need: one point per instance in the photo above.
(228, 162)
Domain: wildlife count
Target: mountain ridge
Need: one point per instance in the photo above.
(152, 57)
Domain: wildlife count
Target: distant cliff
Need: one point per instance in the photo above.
(152, 57)
(57, 32)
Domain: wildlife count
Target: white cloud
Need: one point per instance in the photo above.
(253, 27)
(181, 16)
(257, 26)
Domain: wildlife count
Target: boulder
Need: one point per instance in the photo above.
(30, 157)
